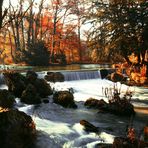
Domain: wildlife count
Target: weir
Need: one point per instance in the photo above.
(2, 81)
(81, 75)
(72, 75)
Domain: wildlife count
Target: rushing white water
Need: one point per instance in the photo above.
(59, 127)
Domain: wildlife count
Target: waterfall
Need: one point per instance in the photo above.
(81, 75)
(2, 81)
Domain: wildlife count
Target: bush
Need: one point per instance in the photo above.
(37, 54)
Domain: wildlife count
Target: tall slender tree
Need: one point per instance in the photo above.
(121, 26)
(3, 13)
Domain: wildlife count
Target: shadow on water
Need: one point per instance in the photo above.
(140, 101)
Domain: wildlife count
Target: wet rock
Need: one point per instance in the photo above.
(65, 99)
(59, 77)
(117, 77)
(104, 73)
(103, 145)
(54, 77)
(88, 127)
(121, 107)
(29, 88)
(7, 100)
(31, 76)
(45, 101)
(94, 103)
(30, 95)
(118, 109)
(42, 88)
(17, 130)
(16, 82)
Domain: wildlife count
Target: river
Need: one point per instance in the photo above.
(59, 127)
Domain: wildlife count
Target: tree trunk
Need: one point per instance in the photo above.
(23, 37)
(1, 15)
(11, 44)
(54, 32)
(79, 40)
(17, 34)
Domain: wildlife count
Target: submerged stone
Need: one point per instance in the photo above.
(88, 127)
(54, 77)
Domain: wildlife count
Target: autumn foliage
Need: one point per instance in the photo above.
(61, 40)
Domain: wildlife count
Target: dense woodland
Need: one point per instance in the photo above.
(50, 32)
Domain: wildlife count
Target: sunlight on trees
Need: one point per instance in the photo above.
(119, 27)
(50, 22)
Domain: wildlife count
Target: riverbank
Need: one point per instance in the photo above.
(60, 127)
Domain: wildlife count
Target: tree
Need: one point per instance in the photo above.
(37, 54)
(54, 24)
(2, 14)
(78, 9)
(120, 26)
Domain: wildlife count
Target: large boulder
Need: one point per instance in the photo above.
(16, 82)
(17, 130)
(49, 77)
(30, 95)
(94, 103)
(42, 87)
(104, 73)
(29, 88)
(116, 77)
(31, 76)
(54, 77)
(121, 108)
(7, 100)
(64, 98)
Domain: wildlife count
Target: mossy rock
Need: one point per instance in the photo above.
(31, 76)
(65, 99)
(54, 77)
(42, 88)
(30, 95)
(16, 82)
(94, 103)
(17, 130)
(7, 100)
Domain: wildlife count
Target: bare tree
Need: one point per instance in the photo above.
(2, 13)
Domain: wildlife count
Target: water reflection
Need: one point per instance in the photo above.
(55, 68)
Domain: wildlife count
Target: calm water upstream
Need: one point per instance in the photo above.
(56, 68)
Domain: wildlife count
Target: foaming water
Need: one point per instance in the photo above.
(59, 127)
